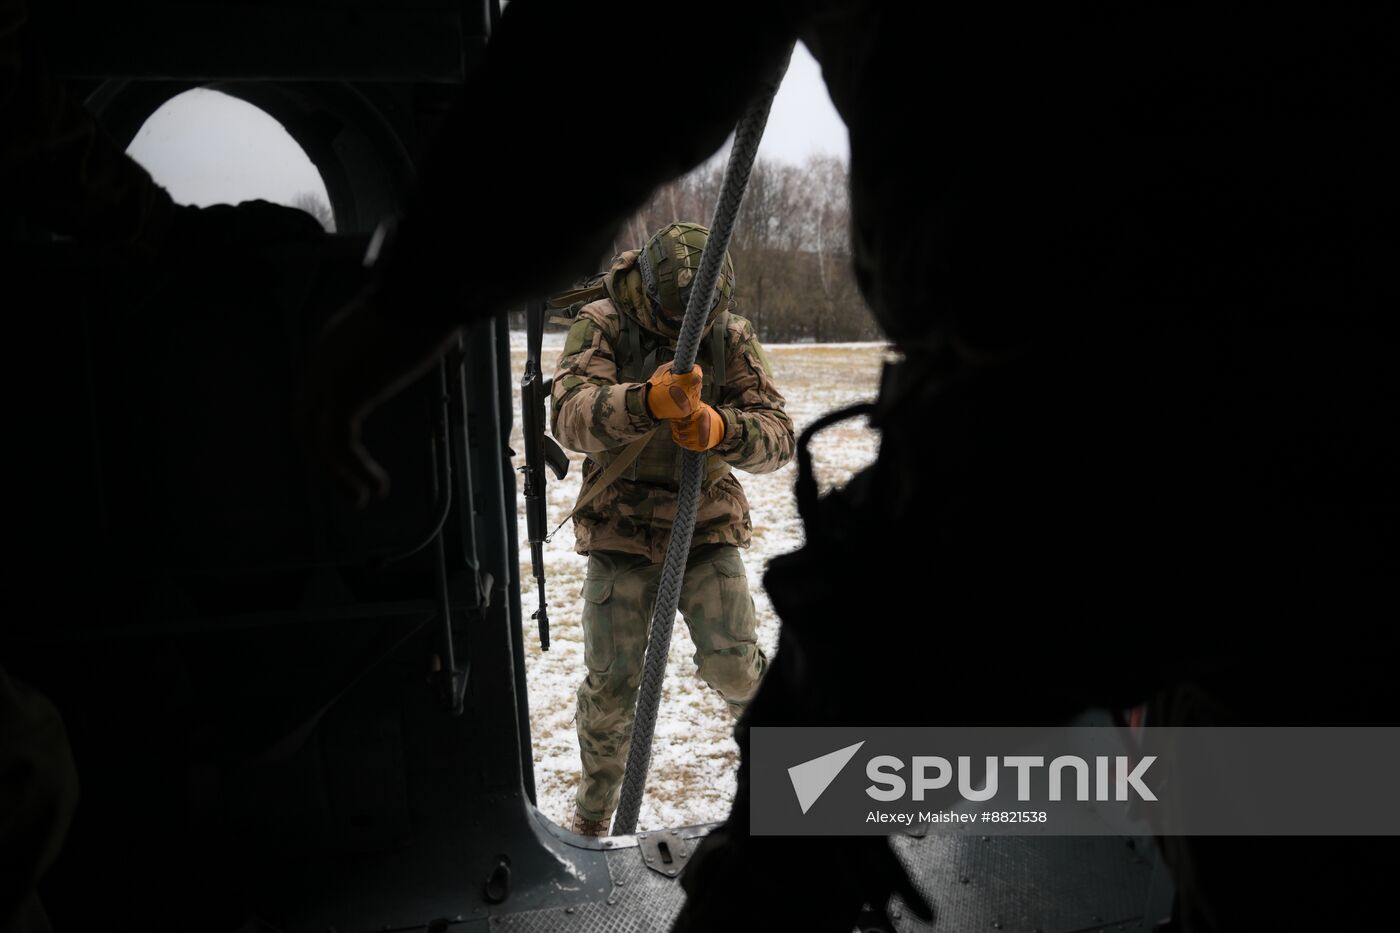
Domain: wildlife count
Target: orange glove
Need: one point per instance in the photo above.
(701, 431)
(674, 396)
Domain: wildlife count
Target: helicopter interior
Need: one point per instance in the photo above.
(287, 714)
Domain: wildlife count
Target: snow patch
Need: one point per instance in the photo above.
(572, 871)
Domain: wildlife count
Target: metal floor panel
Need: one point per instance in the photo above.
(1006, 883)
(642, 900)
(1033, 884)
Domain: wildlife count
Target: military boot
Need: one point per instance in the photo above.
(586, 827)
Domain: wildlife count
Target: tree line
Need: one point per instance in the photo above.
(791, 247)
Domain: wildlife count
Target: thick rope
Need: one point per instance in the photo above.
(747, 136)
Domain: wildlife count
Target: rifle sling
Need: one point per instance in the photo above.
(615, 469)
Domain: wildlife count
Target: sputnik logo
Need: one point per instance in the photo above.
(811, 778)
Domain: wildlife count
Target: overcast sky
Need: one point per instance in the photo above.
(803, 122)
(208, 148)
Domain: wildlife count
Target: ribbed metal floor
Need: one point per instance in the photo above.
(1042, 884)
(1012, 884)
(641, 900)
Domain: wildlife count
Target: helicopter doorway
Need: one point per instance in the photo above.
(207, 147)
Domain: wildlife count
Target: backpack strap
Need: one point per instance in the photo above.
(719, 354)
(632, 337)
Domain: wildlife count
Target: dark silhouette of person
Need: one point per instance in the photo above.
(61, 174)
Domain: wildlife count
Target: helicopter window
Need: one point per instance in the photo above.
(206, 147)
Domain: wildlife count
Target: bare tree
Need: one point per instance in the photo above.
(830, 218)
(316, 206)
(791, 246)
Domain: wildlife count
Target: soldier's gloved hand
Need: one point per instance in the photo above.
(701, 431)
(670, 395)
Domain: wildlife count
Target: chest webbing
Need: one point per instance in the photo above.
(639, 354)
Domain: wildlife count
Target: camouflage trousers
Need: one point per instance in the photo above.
(619, 594)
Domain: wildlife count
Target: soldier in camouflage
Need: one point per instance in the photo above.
(615, 399)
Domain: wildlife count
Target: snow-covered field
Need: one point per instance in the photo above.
(694, 755)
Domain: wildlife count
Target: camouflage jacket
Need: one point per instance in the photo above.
(593, 412)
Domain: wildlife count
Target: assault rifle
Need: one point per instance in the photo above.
(541, 450)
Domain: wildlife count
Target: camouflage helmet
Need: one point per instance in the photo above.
(669, 262)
